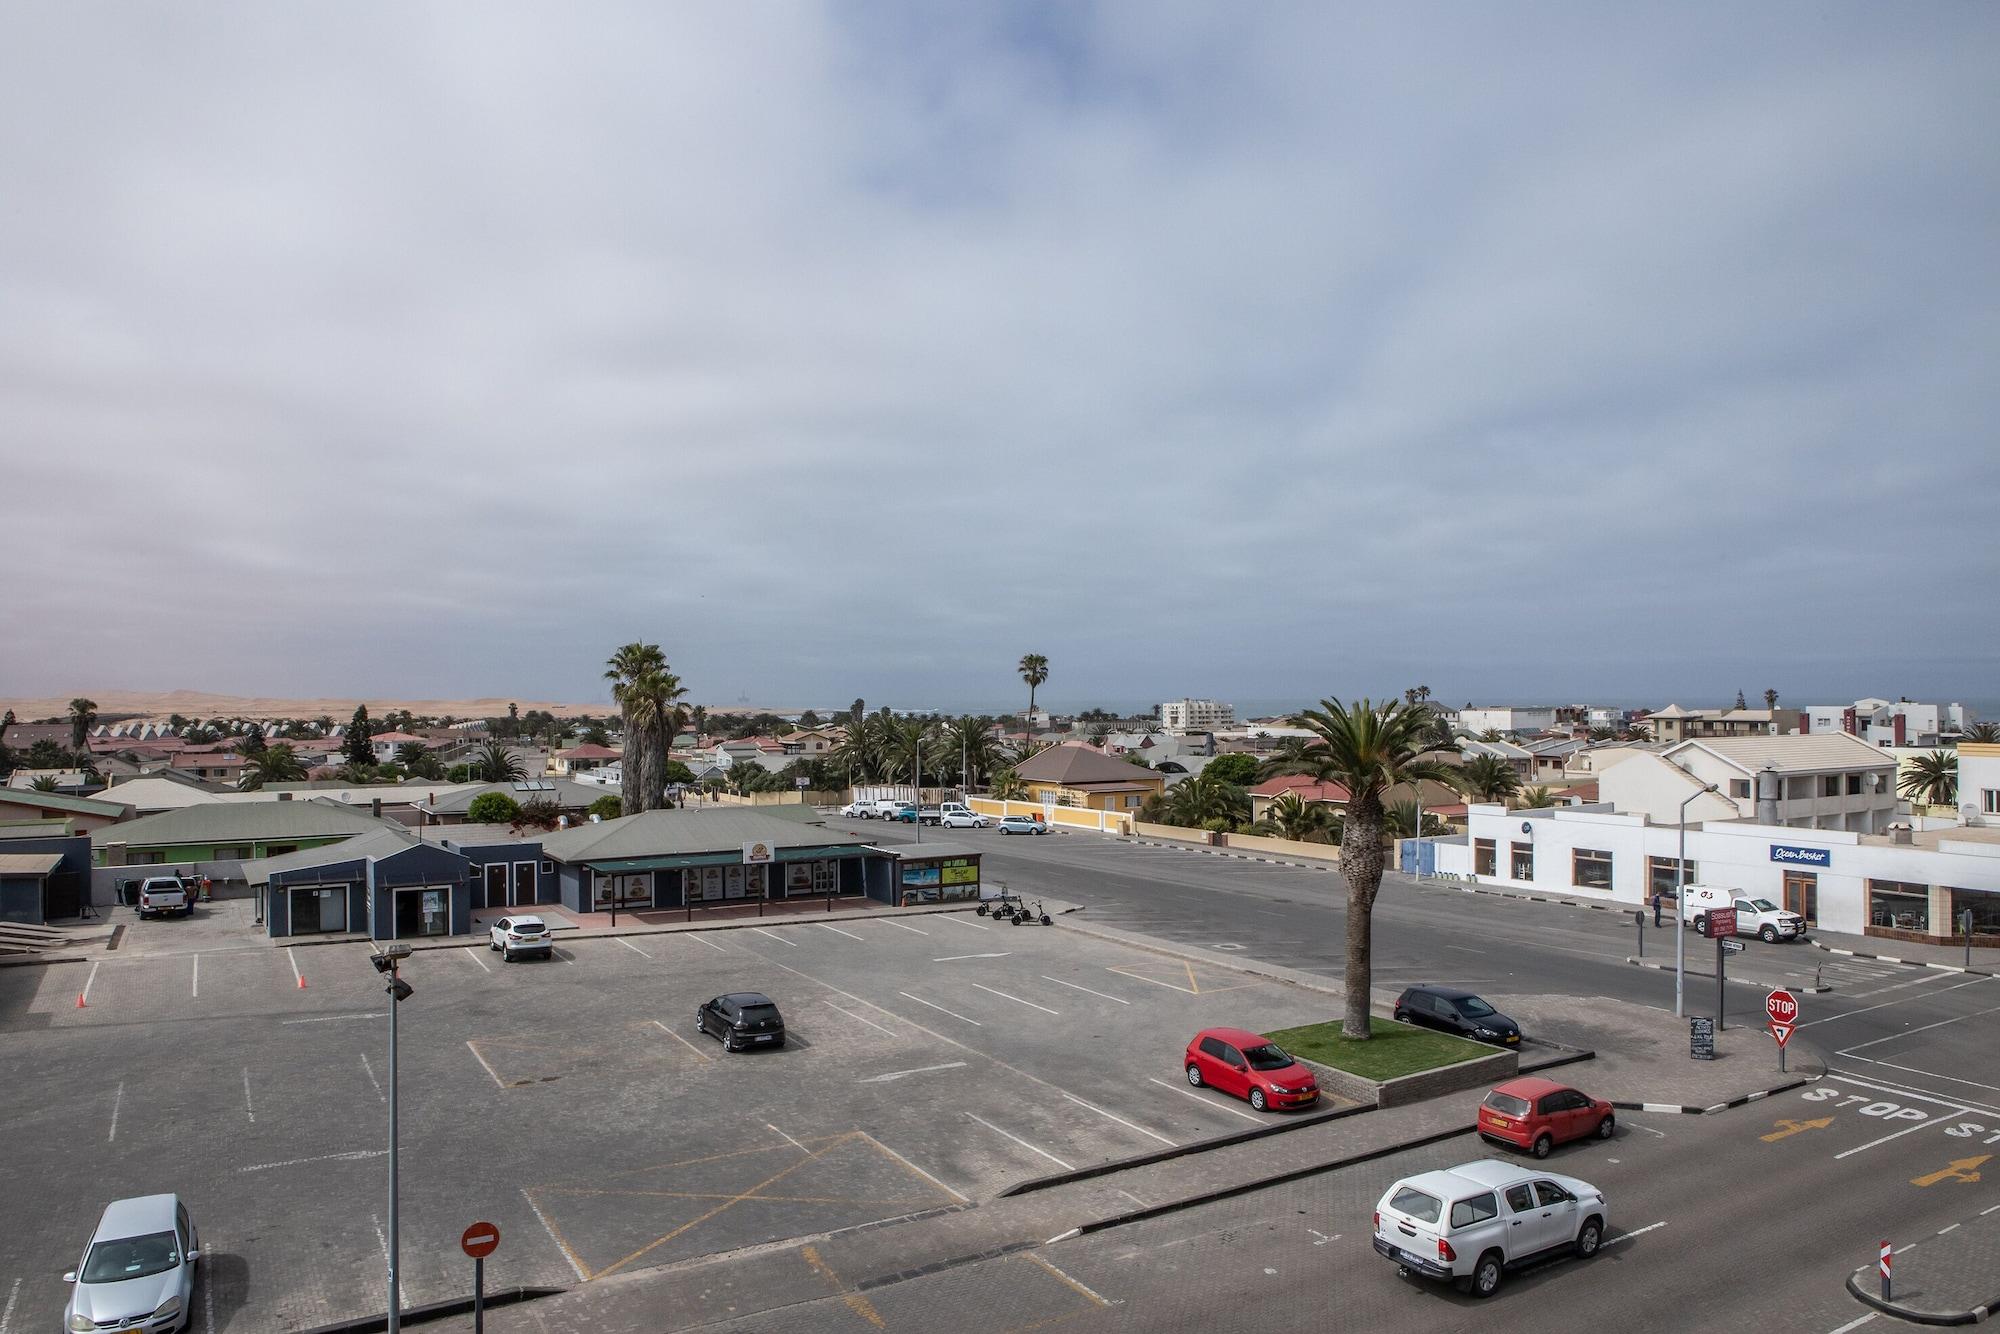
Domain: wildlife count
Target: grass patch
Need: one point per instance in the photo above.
(1396, 1049)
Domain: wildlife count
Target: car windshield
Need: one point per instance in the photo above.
(1413, 1203)
(1270, 1056)
(757, 1014)
(131, 1257)
(1507, 1104)
(1763, 905)
(1474, 1008)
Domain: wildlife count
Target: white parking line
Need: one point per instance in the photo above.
(197, 977)
(941, 1010)
(959, 958)
(1922, 1125)
(630, 946)
(860, 1017)
(838, 932)
(248, 1110)
(787, 1138)
(1099, 994)
(702, 936)
(683, 1041)
(1635, 1232)
(582, 1275)
(1856, 1323)
(1923, 1028)
(297, 976)
(89, 980)
(351, 1156)
(117, 1099)
(994, 991)
(566, 958)
(1119, 1119)
(893, 1075)
(401, 1295)
(1247, 1116)
(472, 953)
(1089, 1294)
(920, 1172)
(370, 1071)
(780, 939)
(954, 917)
(893, 922)
(331, 1018)
(1018, 1140)
(14, 1295)
(483, 1065)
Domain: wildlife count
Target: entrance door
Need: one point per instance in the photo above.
(422, 912)
(496, 885)
(1802, 895)
(524, 883)
(333, 910)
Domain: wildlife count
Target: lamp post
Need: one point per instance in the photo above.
(387, 962)
(1680, 897)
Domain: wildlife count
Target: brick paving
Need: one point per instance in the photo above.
(1951, 1275)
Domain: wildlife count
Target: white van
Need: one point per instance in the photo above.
(1754, 917)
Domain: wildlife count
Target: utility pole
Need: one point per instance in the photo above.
(1680, 901)
(388, 961)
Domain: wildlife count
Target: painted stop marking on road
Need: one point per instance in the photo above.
(480, 1240)
(1782, 1007)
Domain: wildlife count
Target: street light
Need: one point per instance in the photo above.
(387, 961)
(1680, 897)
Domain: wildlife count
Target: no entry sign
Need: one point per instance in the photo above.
(480, 1240)
(1782, 1007)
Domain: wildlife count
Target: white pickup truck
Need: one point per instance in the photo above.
(164, 894)
(1754, 917)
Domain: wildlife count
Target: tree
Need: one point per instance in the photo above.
(676, 772)
(359, 775)
(1400, 819)
(1931, 779)
(494, 763)
(1292, 755)
(1488, 778)
(273, 764)
(252, 743)
(541, 813)
(82, 713)
(808, 719)
(1491, 734)
(607, 807)
(46, 754)
(1097, 734)
(1236, 768)
(698, 719)
(1370, 748)
(595, 735)
(7, 761)
(1638, 731)
(970, 741)
(1205, 801)
(648, 695)
(1301, 821)
(1007, 786)
(492, 808)
(323, 723)
(419, 759)
(7, 720)
(1985, 733)
(355, 744)
(42, 783)
(1741, 703)
(1771, 700)
(1535, 798)
(1034, 669)
(748, 776)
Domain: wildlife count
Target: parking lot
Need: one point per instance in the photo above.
(932, 1061)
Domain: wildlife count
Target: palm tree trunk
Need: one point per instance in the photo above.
(1361, 865)
(657, 746)
(631, 772)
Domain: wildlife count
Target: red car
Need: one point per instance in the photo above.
(1538, 1114)
(1237, 1061)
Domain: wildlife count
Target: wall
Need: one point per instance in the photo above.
(1068, 817)
(1173, 832)
(1282, 847)
(1979, 773)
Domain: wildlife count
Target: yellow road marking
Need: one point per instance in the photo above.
(1794, 1127)
(856, 1303)
(1193, 985)
(1093, 1298)
(1959, 1169)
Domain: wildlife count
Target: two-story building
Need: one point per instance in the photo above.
(1888, 723)
(1804, 782)
(1675, 723)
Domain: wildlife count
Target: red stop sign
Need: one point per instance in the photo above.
(1782, 1007)
(480, 1240)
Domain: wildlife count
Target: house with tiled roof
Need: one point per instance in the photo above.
(1073, 774)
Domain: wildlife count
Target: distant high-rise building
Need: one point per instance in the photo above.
(1196, 715)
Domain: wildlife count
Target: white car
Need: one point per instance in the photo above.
(1754, 917)
(1022, 824)
(1470, 1224)
(514, 936)
(859, 810)
(137, 1273)
(963, 820)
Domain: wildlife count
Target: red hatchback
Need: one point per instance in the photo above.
(1237, 1061)
(1538, 1114)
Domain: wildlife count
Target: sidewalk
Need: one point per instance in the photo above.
(1985, 959)
(1948, 1279)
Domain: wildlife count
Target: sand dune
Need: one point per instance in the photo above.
(115, 704)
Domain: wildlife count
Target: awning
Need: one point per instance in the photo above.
(682, 861)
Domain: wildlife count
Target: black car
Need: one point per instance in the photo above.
(1456, 1010)
(741, 1020)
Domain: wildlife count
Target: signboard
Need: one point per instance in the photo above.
(1732, 946)
(480, 1240)
(758, 854)
(1722, 922)
(920, 875)
(1782, 1032)
(1701, 1038)
(1782, 1007)
(802, 783)
(1792, 856)
(957, 873)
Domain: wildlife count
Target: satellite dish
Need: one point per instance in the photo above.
(1968, 813)
(1527, 826)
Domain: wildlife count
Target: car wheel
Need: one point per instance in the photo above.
(1402, 1016)
(506, 956)
(1701, 925)
(1607, 1127)
(1194, 1075)
(729, 1042)
(1769, 935)
(1542, 1146)
(1587, 1240)
(1486, 1278)
(1258, 1102)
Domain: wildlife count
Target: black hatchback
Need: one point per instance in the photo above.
(742, 1020)
(1456, 1010)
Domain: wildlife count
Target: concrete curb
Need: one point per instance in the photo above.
(1766, 986)
(1907, 963)
(1683, 1109)
(1238, 856)
(1193, 954)
(1857, 1288)
(451, 1306)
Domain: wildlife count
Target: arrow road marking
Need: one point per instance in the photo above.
(954, 958)
(1795, 1127)
(1959, 1169)
(920, 1070)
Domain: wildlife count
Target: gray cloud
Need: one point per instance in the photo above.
(858, 350)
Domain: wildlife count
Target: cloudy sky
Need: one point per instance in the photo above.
(1541, 351)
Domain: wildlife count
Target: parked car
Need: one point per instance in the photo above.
(514, 936)
(1754, 917)
(137, 1272)
(1538, 1114)
(1456, 1010)
(859, 810)
(906, 814)
(885, 808)
(1469, 1224)
(963, 819)
(1239, 1062)
(1022, 824)
(741, 1020)
(160, 894)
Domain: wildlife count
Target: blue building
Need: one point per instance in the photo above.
(387, 884)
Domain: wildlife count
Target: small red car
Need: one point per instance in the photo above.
(1538, 1114)
(1239, 1062)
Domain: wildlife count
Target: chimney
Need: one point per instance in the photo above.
(1901, 833)
(1770, 791)
(375, 807)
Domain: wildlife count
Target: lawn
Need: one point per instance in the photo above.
(1396, 1049)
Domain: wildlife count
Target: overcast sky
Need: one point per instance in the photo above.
(1532, 351)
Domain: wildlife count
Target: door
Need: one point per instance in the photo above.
(524, 883)
(333, 910)
(1746, 917)
(1555, 1216)
(1802, 895)
(1523, 1219)
(496, 885)
(1227, 1077)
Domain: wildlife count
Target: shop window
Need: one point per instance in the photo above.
(1524, 861)
(1985, 910)
(1663, 876)
(1590, 869)
(1485, 859)
(1899, 906)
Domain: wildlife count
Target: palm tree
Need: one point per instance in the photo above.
(1097, 734)
(82, 713)
(1205, 801)
(1491, 734)
(970, 739)
(648, 695)
(42, 783)
(1602, 734)
(1639, 732)
(1034, 669)
(494, 763)
(1535, 798)
(1402, 818)
(1488, 778)
(1987, 733)
(1302, 821)
(1931, 779)
(1370, 748)
(1771, 700)
(274, 764)
(1007, 786)
(903, 744)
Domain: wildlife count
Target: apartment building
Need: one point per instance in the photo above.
(1803, 782)
(1196, 715)
(1882, 722)
(1675, 723)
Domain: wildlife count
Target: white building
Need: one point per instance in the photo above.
(1506, 718)
(1883, 722)
(1908, 886)
(1196, 715)
(1802, 782)
(1979, 782)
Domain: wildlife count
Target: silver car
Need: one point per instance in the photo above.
(138, 1271)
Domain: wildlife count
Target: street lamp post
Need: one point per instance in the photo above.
(1680, 898)
(388, 962)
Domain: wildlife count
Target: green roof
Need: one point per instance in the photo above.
(239, 822)
(61, 801)
(683, 833)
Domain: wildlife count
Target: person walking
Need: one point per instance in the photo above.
(1656, 908)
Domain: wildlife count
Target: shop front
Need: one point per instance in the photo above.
(935, 873)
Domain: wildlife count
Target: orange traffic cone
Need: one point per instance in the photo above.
(302, 981)
(79, 1000)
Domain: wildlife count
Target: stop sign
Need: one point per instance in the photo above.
(1782, 1007)
(480, 1240)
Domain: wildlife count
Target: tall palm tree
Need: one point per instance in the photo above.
(1535, 798)
(1931, 779)
(1488, 778)
(82, 713)
(1007, 786)
(1034, 669)
(969, 740)
(904, 745)
(494, 763)
(273, 764)
(859, 754)
(1983, 732)
(1371, 748)
(1771, 700)
(648, 695)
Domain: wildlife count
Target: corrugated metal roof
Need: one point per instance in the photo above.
(240, 822)
(670, 833)
(378, 843)
(61, 801)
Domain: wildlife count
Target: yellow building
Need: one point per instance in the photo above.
(1077, 775)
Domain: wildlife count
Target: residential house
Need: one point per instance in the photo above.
(219, 766)
(228, 832)
(1674, 723)
(1507, 719)
(1886, 723)
(20, 736)
(1074, 774)
(810, 741)
(1979, 782)
(1812, 782)
(386, 744)
(166, 790)
(582, 759)
(19, 805)
(1303, 786)
(73, 781)
(1518, 757)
